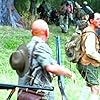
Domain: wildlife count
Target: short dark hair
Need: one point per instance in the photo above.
(91, 16)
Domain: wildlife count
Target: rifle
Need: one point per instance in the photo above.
(13, 87)
(60, 78)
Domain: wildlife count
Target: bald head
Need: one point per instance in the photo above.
(40, 27)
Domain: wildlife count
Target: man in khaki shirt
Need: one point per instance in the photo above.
(90, 61)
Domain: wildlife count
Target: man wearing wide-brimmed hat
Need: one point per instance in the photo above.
(41, 62)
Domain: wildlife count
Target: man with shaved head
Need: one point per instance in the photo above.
(43, 66)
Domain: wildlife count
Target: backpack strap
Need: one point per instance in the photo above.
(82, 43)
(91, 32)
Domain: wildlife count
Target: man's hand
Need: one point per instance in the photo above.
(73, 77)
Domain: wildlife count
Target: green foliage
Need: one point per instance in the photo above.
(54, 3)
(10, 38)
(27, 19)
(22, 5)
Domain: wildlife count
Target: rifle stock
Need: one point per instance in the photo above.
(60, 78)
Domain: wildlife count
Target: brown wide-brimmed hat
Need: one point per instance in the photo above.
(19, 60)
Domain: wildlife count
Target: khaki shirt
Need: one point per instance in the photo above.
(90, 47)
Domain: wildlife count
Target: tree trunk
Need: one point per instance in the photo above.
(8, 14)
(32, 9)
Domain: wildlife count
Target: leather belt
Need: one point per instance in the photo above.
(38, 92)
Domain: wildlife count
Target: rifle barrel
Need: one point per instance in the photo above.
(11, 86)
(60, 78)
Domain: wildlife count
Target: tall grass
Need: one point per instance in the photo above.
(10, 39)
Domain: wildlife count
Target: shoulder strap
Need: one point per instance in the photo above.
(82, 43)
(30, 68)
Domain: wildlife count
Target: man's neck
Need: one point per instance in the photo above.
(43, 38)
(93, 27)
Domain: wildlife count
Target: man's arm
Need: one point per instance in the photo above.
(59, 70)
